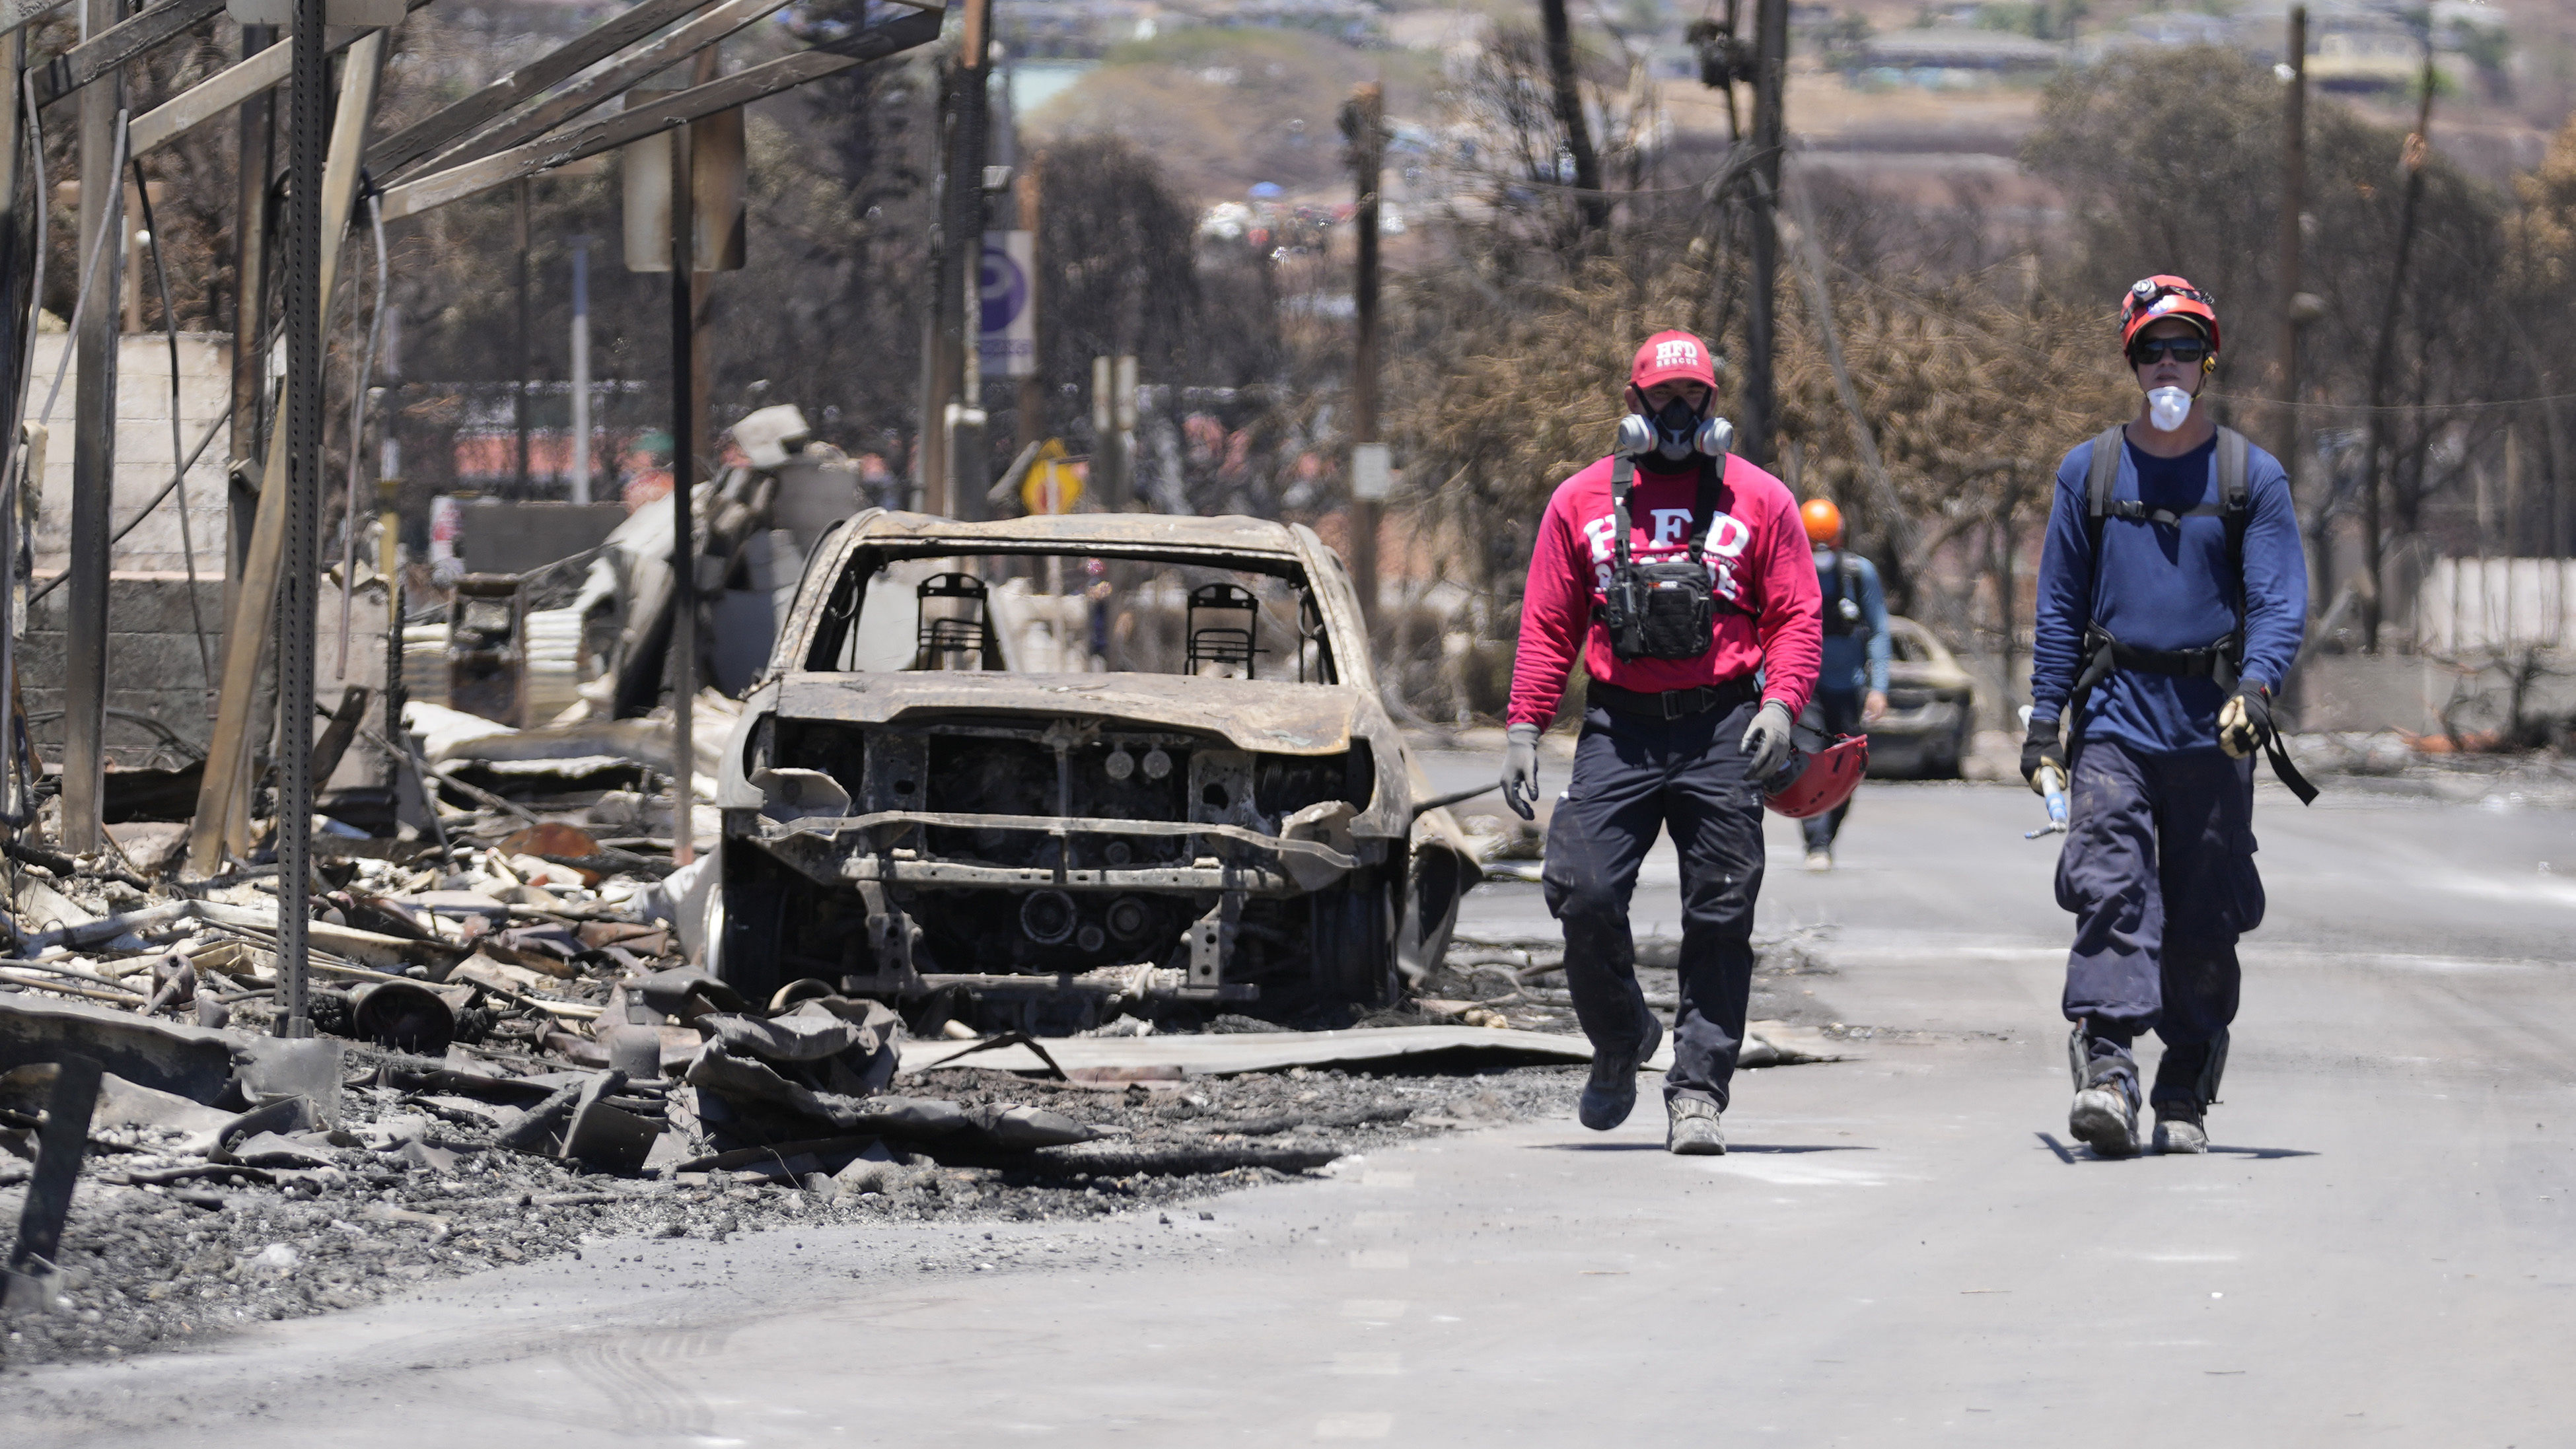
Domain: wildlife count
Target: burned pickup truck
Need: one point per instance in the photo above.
(1060, 768)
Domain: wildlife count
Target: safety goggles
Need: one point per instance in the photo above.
(2185, 350)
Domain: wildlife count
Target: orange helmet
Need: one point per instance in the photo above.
(2151, 299)
(1824, 521)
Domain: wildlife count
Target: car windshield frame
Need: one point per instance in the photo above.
(864, 558)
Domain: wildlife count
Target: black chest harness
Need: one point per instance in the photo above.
(2221, 661)
(1666, 609)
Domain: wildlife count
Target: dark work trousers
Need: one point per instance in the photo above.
(1834, 712)
(1633, 777)
(2159, 871)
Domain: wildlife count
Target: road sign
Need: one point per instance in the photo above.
(1053, 485)
(1007, 345)
(1370, 473)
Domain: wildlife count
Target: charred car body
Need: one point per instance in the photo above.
(1173, 781)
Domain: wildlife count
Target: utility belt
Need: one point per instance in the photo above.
(1672, 704)
(2221, 663)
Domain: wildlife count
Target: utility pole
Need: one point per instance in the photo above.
(1027, 193)
(956, 253)
(309, 129)
(684, 564)
(1364, 128)
(2383, 362)
(969, 474)
(2293, 189)
(581, 369)
(1563, 79)
(102, 199)
(1761, 403)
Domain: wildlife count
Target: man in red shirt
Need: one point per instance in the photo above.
(1686, 718)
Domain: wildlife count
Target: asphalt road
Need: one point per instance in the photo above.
(1901, 1250)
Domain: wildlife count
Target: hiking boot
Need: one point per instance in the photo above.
(1612, 1093)
(2179, 1129)
(1820, 860)
(2105, 1114)
(1693, 1131)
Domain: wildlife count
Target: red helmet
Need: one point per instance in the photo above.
(1820, 780)
(2151, 299)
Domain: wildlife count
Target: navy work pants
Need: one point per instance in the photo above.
(2159, 871)
(1633, 777)
(1833, 712)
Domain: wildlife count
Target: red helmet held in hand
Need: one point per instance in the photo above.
(1817, 781)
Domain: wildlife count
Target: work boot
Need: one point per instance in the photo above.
(1612, 1093)
(1693, 1131)
(2179, 1128)
(2105, 1114)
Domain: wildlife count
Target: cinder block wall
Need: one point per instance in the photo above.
(143, 452)
(152, 663)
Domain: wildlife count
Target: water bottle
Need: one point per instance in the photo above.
(2052, 788)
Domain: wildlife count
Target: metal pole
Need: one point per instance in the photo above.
(939, 332)
(581, 369)
(1033, 387)
(93, 458)
(969, 474)
(1761, 405)
(684, 565)
(308, 138)
(1367, 133)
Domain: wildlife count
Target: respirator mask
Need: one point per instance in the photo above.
(1675, 434)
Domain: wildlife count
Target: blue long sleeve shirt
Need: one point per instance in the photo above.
(2165, 587)
(1856, 660)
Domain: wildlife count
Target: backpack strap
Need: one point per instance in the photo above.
(2236, 509)
(1704, 506)
(2098, 485)
(1623, 477)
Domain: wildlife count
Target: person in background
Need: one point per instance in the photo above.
(1851, 688)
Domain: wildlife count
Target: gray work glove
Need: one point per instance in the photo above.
(1520, 770)
(1766, 742)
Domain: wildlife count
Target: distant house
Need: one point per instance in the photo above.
(1953, 55)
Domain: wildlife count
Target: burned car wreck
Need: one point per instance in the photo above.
(963, 782)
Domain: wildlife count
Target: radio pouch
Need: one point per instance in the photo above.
(1666, 609)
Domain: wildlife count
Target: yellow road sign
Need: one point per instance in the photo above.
(1053, 485)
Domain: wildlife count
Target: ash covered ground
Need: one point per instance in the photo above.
(158, 1266)
(417, 1195)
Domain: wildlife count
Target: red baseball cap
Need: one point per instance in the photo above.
(1668, 356)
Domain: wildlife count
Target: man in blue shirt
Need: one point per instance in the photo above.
(1851, 688)
(2172, 597)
